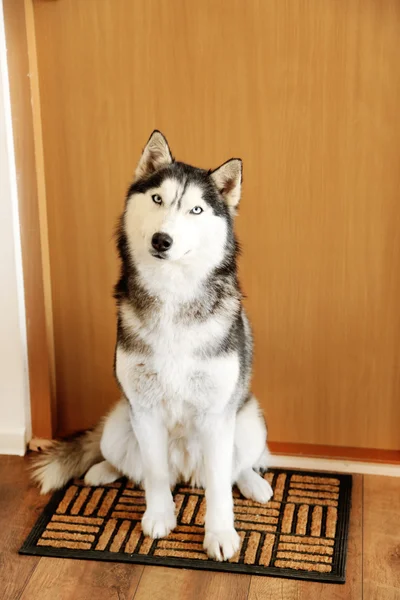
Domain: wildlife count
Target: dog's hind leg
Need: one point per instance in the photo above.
(251, 453)
(101, 474)
(120, 449)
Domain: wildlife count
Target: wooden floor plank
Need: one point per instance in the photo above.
(31, 578)
(20, 506)
(65, 579)
(271, 588)
(381, 538)
(161, 583)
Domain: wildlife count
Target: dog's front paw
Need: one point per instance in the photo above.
(158, 524)
(221, 545)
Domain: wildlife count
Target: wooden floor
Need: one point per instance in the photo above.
(373, 570)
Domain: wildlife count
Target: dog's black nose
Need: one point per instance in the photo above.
(161, 241)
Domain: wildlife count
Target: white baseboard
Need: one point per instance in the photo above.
(13, 441)
(332, 464)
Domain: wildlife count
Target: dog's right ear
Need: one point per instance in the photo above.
(156, 154)
(228, 179)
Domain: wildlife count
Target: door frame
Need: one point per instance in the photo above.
(28, 148)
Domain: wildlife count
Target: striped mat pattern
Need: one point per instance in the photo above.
(300, 533)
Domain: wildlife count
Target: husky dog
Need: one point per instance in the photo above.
(183, 357)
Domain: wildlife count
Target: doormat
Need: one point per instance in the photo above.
(301, 533)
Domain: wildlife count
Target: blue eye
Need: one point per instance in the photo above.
(197, 210)
(156, 198)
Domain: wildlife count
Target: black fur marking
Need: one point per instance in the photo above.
(183, 193)
(185, 174)
(130, 341)
(220, 292)
(235, 340)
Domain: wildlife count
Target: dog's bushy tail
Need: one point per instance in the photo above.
(64, 460)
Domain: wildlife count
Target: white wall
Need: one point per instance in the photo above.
(14, 383)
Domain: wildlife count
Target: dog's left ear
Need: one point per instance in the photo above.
(228, 179)
(156, 154)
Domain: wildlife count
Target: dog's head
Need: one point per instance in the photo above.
(178, 214)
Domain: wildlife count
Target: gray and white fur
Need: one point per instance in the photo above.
(183, 357)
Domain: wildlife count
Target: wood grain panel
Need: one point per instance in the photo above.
(183, 584)
(20, 505)
(36, 578)
(372, 568)
(307, 93)
(60, 579)
(381, 549)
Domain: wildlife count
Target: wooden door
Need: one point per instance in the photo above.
(308, 94)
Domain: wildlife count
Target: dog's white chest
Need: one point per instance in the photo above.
(171, 376)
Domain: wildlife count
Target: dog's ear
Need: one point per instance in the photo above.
(156, 154)
(228, 179)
